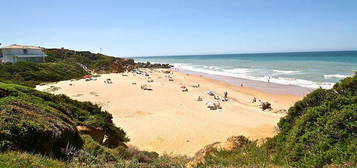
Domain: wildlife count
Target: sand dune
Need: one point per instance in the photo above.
(167, 120)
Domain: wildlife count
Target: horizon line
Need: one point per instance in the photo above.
(277, 52)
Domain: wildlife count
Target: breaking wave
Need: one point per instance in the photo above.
(247, 73)
(335, 76)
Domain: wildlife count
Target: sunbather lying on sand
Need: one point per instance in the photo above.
(213, 105)
(146, 87)
(210, 93)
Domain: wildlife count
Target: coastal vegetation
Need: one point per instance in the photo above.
(319, 130)
(97, 62)
(93, 61)
(32, 74)
(63, 64)
(44, 123)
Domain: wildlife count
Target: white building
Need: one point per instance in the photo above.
(17, 53)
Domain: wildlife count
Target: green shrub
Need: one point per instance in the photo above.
(31, 74)
(40, 122)
(94, 154)
(92, 61)
(249, 155)
(320, 130)
(21, 160)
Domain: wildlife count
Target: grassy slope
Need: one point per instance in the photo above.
(322, 128)
(94, 155)
(92, 61)
(31, 74)
(40, 122)
(19, 160)
(60, 65)
(319, 130)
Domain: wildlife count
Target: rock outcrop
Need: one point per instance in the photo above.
(112, 142)
(266, 106)
(232, 143)
(126, 64)
(150, 65)
(99, 136)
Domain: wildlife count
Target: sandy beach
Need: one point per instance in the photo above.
(167, 120)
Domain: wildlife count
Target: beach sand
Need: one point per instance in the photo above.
(167, 120)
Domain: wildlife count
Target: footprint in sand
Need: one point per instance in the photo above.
(77, 95)
(52, 89)
(137, 113)
(93, 93)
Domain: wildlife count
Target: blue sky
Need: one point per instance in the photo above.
(178, 27)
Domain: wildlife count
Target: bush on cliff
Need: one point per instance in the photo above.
(39, 122)
(322, 128)
(319, 130)
(97, 62)
(12, 159)
(31, 74)
(94, 155)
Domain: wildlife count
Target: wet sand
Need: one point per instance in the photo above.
(273, 88)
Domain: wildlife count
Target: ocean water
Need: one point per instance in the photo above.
(306, 69)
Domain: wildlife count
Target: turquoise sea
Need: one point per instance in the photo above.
(306, 69)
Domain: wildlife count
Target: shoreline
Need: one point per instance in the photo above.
(167, 120)
(273, 88)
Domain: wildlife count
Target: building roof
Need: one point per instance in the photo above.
(15, 46)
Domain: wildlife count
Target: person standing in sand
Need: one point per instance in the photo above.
(225, 96)
(254, 100)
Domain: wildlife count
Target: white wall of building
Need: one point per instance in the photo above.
(16, 54)
(15, 51)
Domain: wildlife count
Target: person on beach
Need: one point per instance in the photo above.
(199, 98)
(225, 96)
(241, 85)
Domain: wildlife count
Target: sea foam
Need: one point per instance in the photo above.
(335, 76)
(245, 73)
(307, 69)
(286, 72)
